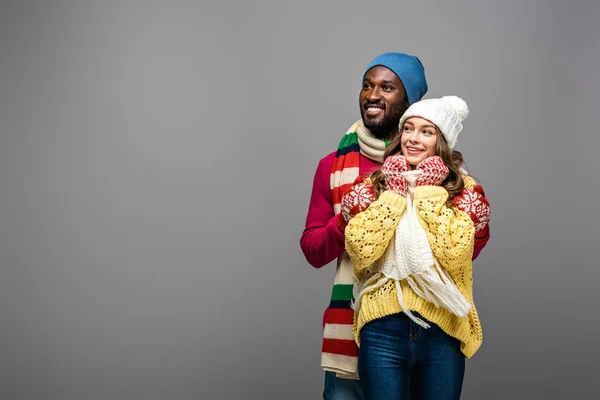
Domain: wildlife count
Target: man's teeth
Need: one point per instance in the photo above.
(374, 108)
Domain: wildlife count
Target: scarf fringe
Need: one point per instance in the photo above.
(442, 292)
(358, 291)
(435, 286)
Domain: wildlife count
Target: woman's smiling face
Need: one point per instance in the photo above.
(419, 140)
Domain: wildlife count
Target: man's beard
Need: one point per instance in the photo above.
(388, 125)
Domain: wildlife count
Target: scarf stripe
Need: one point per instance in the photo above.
(344, 347)
(341, 304)
(343, 178)
(341, 292)
(339, 352)
(349, 151)
(338, 363)
(338, 331)
(339, 315)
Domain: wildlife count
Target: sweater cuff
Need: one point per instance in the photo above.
(334, 228)
(341, 222)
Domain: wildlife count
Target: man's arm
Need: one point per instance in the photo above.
(477, 196)
(322, 240)
(481, 239)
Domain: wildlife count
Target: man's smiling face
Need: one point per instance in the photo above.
(382, 101)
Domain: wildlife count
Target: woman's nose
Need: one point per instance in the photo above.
(414, 137)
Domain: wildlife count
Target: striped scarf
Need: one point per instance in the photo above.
(339, 352)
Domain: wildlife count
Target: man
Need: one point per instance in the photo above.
(391, 82)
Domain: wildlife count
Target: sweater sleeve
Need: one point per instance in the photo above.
(479, 213)
(369, 232)
(450, 231)
(322, 241)
(481, 239)
(482, 230)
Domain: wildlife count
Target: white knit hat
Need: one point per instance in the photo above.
(446, 113)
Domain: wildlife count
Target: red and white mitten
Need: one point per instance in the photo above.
(434, 172)
(392, 169)
(473, 202)
(357, 199)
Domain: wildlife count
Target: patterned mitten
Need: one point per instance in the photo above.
(473, 202)
(392, 168)
(434, 172)
(357, 199)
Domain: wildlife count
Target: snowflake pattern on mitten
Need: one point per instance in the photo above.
(357, 199)
(473, 202)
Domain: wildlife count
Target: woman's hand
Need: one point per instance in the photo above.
(392, 168)
(434, 172)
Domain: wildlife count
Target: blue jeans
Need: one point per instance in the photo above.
(341, 389)
(397, 356)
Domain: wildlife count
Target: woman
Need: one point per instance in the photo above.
(410, 234)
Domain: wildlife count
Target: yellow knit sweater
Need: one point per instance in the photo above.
(451, 235)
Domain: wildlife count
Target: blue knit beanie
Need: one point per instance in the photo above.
(408, 68)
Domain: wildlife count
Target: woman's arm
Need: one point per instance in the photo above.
(450, 231)
(369, 232)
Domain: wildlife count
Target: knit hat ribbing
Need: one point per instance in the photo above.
(446, 113)
(408, 69)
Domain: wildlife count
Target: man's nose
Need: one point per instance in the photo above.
(374, 95)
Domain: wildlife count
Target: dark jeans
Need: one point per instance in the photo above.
(341, 389)
(397, 356)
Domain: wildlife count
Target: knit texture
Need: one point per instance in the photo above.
(451, 234)
(473, 202)
(392, 169)
(446, 113)
(434, 171)
(322, 242)
(357, 198)
(339, 351)
(408, 69)
(408, 257)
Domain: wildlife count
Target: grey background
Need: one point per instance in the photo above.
(156, 162)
